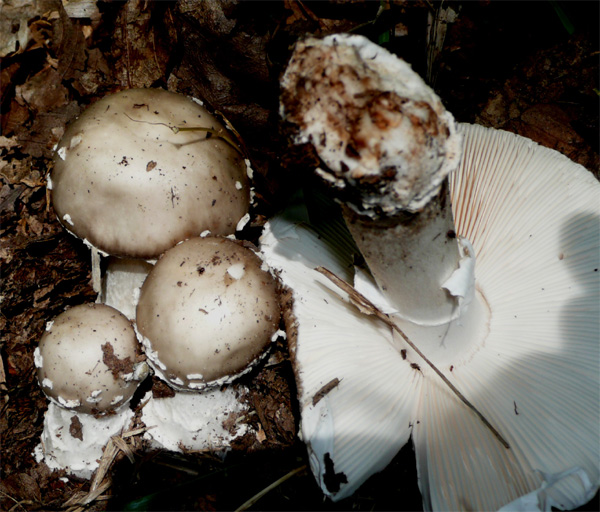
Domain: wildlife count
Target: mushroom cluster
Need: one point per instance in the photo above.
(145, 175)
(143, 169)
(482, 279)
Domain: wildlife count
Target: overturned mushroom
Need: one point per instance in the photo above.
(524, 350)
(88, 363)
(388, 147)
(208, 309)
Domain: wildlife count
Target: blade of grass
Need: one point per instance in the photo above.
(563, 17)
(247, 504)
(144, 502)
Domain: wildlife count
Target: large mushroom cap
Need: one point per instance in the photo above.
(86, 359)
(207, 310)
(132, 184)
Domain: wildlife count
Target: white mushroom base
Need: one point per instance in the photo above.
(200, 421)
(80, 455)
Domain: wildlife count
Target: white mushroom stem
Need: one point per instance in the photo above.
(388, 146)
(411, 257)
(97, 274)
(122, 281)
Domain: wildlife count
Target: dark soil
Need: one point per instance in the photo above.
(527, 67)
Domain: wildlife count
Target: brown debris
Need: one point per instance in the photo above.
(319, 395)
(160, 389)
(118, 367)
(21, 488)
(76, 428)
(270, 398)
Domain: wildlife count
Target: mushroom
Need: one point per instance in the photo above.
(517, 333)
(88, 364)
(387, 152)
(143, 169)
(207, 310)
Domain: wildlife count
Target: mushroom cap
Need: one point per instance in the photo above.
(528, 358)
(86, 359)
(206, 311)
(130, 183)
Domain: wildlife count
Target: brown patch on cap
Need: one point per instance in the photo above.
(118, 367)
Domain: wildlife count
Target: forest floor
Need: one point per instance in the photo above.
(527, 67)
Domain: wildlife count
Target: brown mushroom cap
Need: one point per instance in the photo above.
(128, 180)
(86, 359)
(207, 310)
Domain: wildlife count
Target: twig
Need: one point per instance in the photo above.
(78, 502)
(217, 133)
(154, 50)
(100, 483)
(211, 132)
(136, 432)
(268, 489)
(366, 307)
(127, 49)
(383, 6)
(241, 145)
(17, 503)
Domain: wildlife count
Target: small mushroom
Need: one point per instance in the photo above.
(524, 351)
(88, 364)
(87, 359)
(207, 310)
